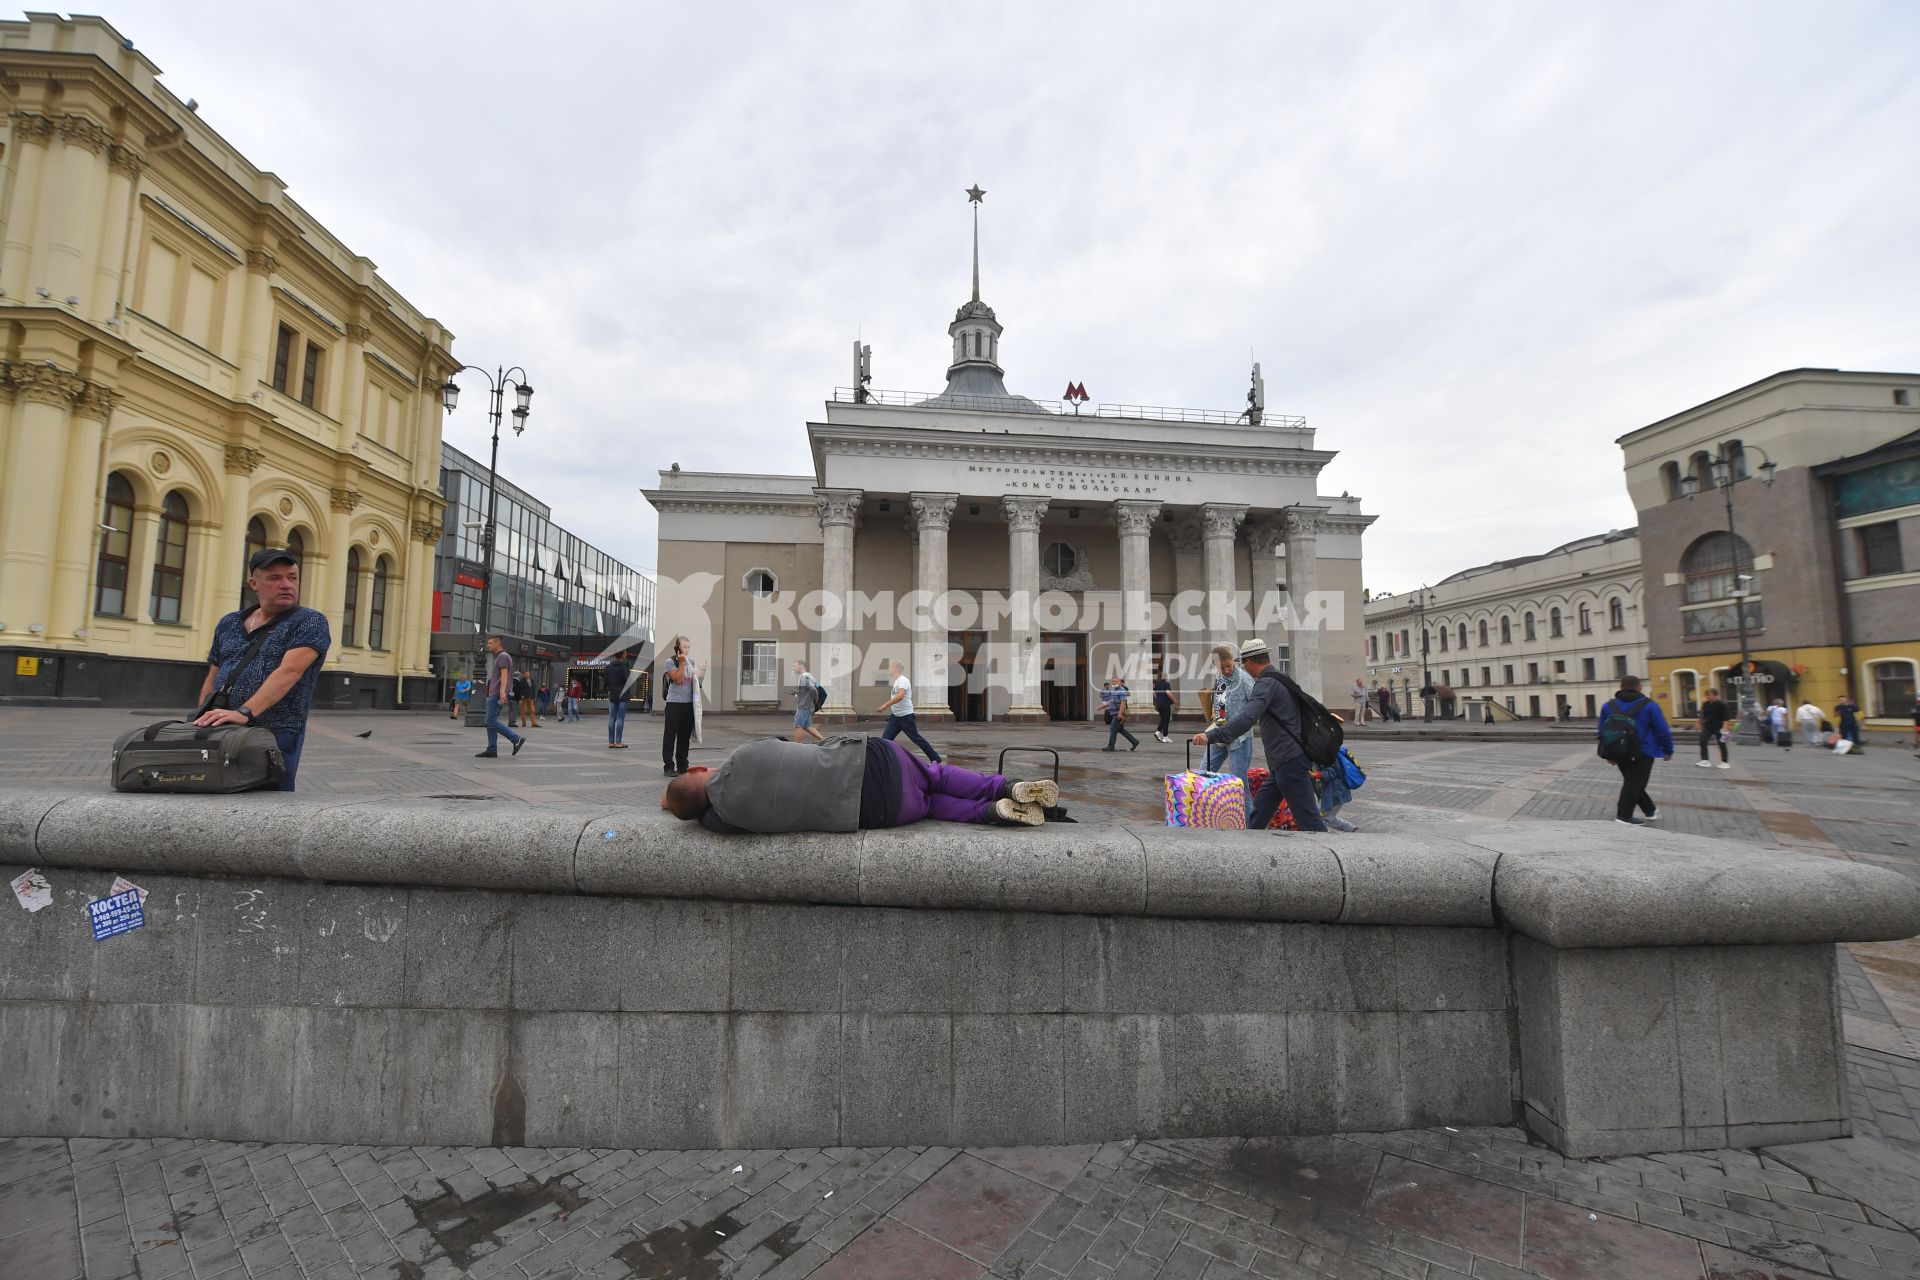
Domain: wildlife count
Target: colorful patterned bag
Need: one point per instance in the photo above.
(1283, 816)
(1215, 800)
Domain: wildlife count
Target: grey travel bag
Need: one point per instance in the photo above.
(180, 756)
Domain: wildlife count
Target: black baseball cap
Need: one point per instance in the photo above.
(271, 555)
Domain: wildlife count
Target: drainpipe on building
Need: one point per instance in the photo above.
(1845, 611)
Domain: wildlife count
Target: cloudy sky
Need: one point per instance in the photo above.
(1471, 243)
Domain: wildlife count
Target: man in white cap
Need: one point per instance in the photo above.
(1272, 709)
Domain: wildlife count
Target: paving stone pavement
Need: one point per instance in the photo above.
(1425, 1205)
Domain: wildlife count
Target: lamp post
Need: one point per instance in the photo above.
(497, 384)
(1724, 474)
(1423, 601)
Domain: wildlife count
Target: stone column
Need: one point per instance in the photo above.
(353, 382)
(32, 485)
(1264, 537)
(71, 199)
(839, 511)
(32, 145)
(219, 592)
(417, 634)
(1023, 589)
(1135, 521)
(78, 540)
(1219, 521)
(333, 588)
(142, 549)
(931, 512)
(1303, 578)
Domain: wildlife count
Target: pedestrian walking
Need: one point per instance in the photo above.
(619, 690)
(805, 700)
(1633, 734)
(1713, 729)
(677, 735)
(1809, 718)
(1849, 716)
(1117, 724)
(899, 709)
(544, 699)
(1779, 721)
(1230, 693)
(274, 689)
(462, 692)
(1272, 709)
(575, 692)
(1359, 701)
(499, 695)
(850, 783)
(1163, 706)
(523, 691)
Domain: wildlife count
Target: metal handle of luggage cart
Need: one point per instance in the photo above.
(1058, 813)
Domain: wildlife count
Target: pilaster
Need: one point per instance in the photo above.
(931, 514)
(839, 513)
(1219, 522)
(1136, 521)
(1023, 516)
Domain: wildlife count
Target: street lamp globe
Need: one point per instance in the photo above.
(1766, 471)
(1722, 472)
(450, 395)
(523, 395)
(1689, 484)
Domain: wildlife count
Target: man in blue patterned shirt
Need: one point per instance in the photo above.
(274, 689)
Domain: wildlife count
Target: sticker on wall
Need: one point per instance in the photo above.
(115, 915)
(121, 884)
(32, 889)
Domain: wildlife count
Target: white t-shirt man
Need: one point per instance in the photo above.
(904, 688)
(1807, 714)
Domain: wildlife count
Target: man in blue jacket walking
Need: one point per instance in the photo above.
(1656, 742)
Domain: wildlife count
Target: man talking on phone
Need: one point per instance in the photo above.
(266, 659)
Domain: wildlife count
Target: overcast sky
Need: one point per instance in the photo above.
(1471, 243)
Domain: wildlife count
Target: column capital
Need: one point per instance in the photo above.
(242, 460)
(45, 383)
(96, 402)
(932, 510)
(838, 507)
(261, 261)
(1264, 532)
(1220, 519)
(1023, 514)
(344, 500)
(30, 124)
(79, 131)
(123, 159)
(1135, 518)
(1304, 522)
(357, 332)
(1185, 532)
(427, 531)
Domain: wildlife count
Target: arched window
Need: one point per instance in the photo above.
(377, 609)
(350, 610)
(1714, 566)
(1586, 620)
(1526, 625)
(1443, 639)
(116, 547)
(1890, 688)
(1553, 622)
(1700, 467)
(170, 559)
(297, 543)
(1506, 630)
(256, 541)
(1686, 693)
(1616, 615)
(1670, 480)
(1463, 635)
(1483, 633)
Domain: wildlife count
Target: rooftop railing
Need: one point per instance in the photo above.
(1063, 408)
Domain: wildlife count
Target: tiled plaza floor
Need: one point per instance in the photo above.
(1425, 1205)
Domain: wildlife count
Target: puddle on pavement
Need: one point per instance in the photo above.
(459, 1226)
(690, 1251)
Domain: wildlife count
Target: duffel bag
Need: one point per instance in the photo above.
(180, 756)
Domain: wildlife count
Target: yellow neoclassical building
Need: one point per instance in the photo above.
(193, 367)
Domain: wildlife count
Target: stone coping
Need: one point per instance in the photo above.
(1565, 884)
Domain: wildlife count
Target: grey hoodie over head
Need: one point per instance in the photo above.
(778, 785)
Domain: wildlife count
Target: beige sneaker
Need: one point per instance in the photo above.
(1012, 813)
(1044, 792)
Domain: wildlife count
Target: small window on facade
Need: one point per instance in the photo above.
(1900, 396)
(310, 375)
(1559, 666)
(1616, 615)
(1526, 626)
(1404, 648)
(1890, 685)
(1463, 635)
(1483, 633)
(1880, 549)
(1486, 675)
(1586, 669)
(297, 543)
(1060, 560)
(116, 547)
(1553, 623)
(377, 608)
(1533, 673)
(761, 584)
(256, 541)
(1506, 631)
(1670, 480)
(282, 358)
(1586, 620)
(350, 607)
(170, 560)
(1446, 677)
(1373, 648)
(1466, 677)
(1506, 674)
(1686, 691)
(1619, 664)
(1443, 639)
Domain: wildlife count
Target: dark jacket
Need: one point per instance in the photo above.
(1713, 716)
(618, 673)
(775, 785)
(1656, 739)
(1271, 707)
(1162, 695)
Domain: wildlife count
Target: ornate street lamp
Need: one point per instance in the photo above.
(1724, 475)
(497, 384)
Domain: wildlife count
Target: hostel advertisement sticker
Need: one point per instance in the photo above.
(118, 914)
(32, 889)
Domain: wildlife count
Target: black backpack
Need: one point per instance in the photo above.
(1619, 735)
(1320, 733)
(819, 696)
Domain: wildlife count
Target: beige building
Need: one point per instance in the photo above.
(1544, 636)
(1785, 516)
(1055, 543)
(193, 367)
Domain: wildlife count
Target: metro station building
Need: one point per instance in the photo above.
(1059, 543)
